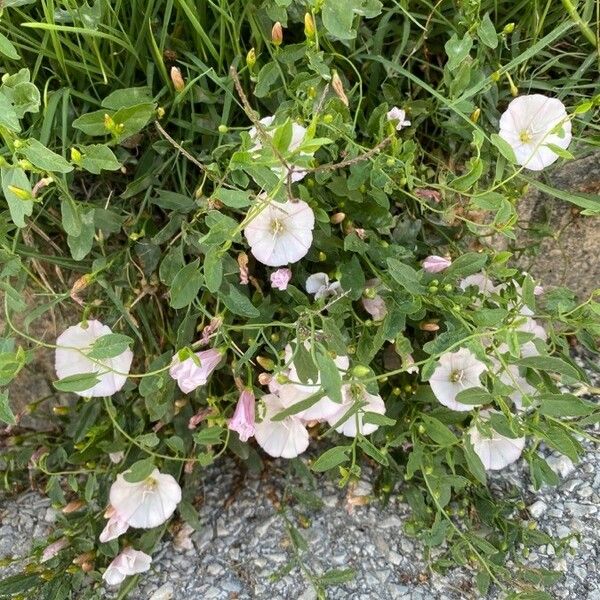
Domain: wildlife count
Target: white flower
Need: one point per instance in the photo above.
(295, 391)
(286, 438)
(190, 375)
(527, 125)
(319, 285)
(298, 134)
(372, 302)
(497, 451)
(398, 115)
(116, 457)
(482, 282)
(281, 278)
(436, 264)
(351, 426)
(70, 359)
(115, 526)
(148, 503)
(532, 326)
(128, 562)
(281, 232)
(456, 371)
(511, 375)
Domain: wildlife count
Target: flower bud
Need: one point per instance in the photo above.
(20, 192)
(223, 128)
(337, 218)
(277, 34)
(251, 58)
(160, 112)
(360, 371)
(25, 164)
(265, 363)
(429, 326)
(75, 155)
(177, 79)
(309, 26)
(475, 115)
(495, 76)
(265, 378)
(338, 88)
(508, 28)
(73, 506)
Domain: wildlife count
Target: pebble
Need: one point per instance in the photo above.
(537, 509)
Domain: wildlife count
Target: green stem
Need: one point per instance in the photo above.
(583, 26)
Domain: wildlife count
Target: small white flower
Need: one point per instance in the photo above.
(70, 359)
(281, 232)
(351, 426)
(528, 124)
(115, 526)
(319, 285)
(287, 438)
(398, 115)
(497, 451)
(482, 282)
(436, 264)
(116, 457)
(128, 562)
(298, 134)
(456, 371)
(148, 503)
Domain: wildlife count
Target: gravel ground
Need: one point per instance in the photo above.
(244, 541)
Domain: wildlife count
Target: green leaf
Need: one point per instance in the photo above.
(6, 414)
(79, 382)
(473, 461)
(406, 276)
(564, 405)
(208, 436)
(43, 158)
(139, 470)
(474, 396)
(70, 219)
(213, 269)
(368, 448)
(186, 285)
(238, 303)
(8, 115)
(98, 157)
(466, 264)
(267, 78)
(127, 97)
(338, 17)
(80, 245)
(298, 406)
(19, 208)
(504, 148)
(337, 576)
(17, 584)
(233, 198)
(7, 48)
(486, 32)
(149, 440)
(550, 363)
(377, 419)
(438, 432)
(352, 278)
(331, 458)
(109, 346)
(457, 50)
(331, 380)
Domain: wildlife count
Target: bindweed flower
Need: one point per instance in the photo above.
(116, 457)
(319, 285)
(374, 304)
(53, 549)
(190, 375)
(115, 526)
(398, 116)
(529, 124)
(70, 359)
(409, 364)
(455, 372)
(145, 504)
(480, 281)
(128, 562)
(496, 451)
(281, 278)
(281, 232)
(436, 264)
(287, 438)
(298, 134)
(243, 420)
(349, 421)
(177, 79)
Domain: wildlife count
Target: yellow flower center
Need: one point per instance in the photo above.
(525, 136)
(277, 226)
(456, 376)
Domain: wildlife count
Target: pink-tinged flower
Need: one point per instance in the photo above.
(116, 457)
(319, 285)
(298, 135)
(281, 278)
(353, 394)
(482, 282)
(455, 372)
(196, 419)
(436, 264)
(511, 374)
(529, 124)
(243, 420)
(496, 451)
(281, 232)
(286, 438)
(538, 290)
(148, 503)
(53, 549)
(399, 116)
(71, 359)
(372, 302)
(409, 364)
(190, 375)
(115, 526)
(128, 562)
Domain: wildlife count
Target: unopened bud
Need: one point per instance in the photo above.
(309, 26)
(83, 558)
(75, 155)
(223, 128)
(514, 90)
(18, 144)
(429, 326)
(475, 115)
(360, 371)
(79, 286)
(322, 256)
(73, 506)
(277, 34)
(20, 193)
(160, 112)
(265, 378)
(251, 58)
(338, 88)
(495, 76)
(337, 218)
(508, 28)
(177, 79)
(86, 567)
(25, 164)
(60, 410)
(265, 363)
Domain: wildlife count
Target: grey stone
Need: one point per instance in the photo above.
(537, 509)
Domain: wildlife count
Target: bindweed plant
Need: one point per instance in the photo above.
(288, 229)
